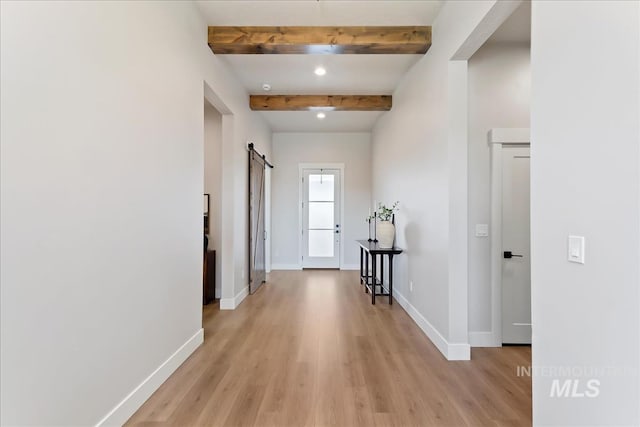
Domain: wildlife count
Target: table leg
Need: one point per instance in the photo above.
(381, 273)
(390, 278)
(361, 265)
(373, 279)
(366, 271)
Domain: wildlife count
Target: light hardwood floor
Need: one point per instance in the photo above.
(309, 349)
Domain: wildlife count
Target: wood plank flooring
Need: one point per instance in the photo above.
(309, 349)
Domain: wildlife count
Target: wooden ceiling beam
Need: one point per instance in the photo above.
(320, 40)
(320, 102)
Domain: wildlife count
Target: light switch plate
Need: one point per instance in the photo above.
(482, 230)
(575, 249)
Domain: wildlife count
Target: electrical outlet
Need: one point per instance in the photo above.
(411, 286)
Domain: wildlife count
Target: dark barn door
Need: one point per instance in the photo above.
(257, 274)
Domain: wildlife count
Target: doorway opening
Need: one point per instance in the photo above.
(499, 93)
(212, 197)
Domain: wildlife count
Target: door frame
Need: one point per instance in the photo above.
(497, 138)
(301, 168)
(267, 219)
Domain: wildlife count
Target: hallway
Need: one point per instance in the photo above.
(310, 349)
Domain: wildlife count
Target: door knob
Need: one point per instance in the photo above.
(509, 255)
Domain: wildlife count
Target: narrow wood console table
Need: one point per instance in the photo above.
(369, 278)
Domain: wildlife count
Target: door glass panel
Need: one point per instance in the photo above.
(321, 188)
(321, 243)
(321, 215)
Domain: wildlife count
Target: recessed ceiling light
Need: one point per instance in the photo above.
(266, 87)
(321, 115)
(320, 71)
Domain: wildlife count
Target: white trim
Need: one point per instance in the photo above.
(509, 136)
(497, 137)
(459, 351)
(451, 351)
(350, 267)
(482, 339)
(134, 400)
(496, 243)
(286, 267)
(267, 219)
(301, 168)
(233, 303)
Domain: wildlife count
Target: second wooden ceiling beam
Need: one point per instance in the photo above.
(320, 102)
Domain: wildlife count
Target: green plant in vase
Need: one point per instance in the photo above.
(385, 213)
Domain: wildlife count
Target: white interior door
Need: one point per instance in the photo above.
(516, 261)
(321, 218)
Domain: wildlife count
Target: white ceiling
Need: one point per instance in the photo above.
(323, 12)
(346, 74)
(335, 121)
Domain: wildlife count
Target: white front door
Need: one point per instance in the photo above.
(321, 218)
(516, 261)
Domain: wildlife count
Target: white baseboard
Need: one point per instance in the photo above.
(286, 267)
(458, 351)
(482, 339)
(298, 267)
(134, 400)
(452, 351)
(232, 303)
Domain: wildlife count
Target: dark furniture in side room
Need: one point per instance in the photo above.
(209, 277)
(369, 278)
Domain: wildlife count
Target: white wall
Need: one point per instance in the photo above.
(585, 168)
(291, 149)
(418, 162)
(101, 201)
(499, 93)
(213, 181)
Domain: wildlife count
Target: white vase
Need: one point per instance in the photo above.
(385, 232)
